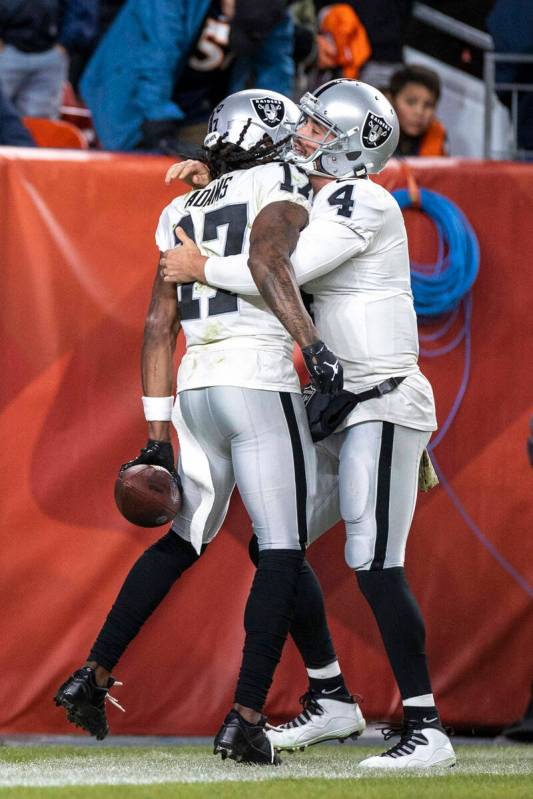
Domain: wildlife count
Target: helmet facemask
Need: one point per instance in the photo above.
(361, 126)
(326, 149)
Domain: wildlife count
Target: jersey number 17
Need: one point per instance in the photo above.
(236, 218)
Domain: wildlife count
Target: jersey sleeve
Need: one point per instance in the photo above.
(323, 245)
(355, 206)
(280, 182)
(230, 273)
(164, 234)
(343, 224)
(169, 219)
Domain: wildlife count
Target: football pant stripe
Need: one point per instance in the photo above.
(300, 479)
(383, 495)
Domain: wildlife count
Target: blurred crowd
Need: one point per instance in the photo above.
(150, 71)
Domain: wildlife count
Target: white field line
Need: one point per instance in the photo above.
(160, 767)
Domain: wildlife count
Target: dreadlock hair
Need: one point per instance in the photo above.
(224, 156)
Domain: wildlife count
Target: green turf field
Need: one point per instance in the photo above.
(75, 772)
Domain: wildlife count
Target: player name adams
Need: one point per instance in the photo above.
(211, 194)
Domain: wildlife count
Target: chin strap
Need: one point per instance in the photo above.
(359, 172)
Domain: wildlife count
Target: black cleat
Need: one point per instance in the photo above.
(84, 702)
(244, 742)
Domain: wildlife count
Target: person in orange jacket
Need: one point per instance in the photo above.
(343, 43)
(414, 92)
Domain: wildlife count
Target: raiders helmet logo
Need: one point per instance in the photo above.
(376, 131)
(269, 111)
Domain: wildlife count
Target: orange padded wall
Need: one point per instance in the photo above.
(77, 261)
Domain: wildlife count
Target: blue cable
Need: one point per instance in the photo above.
(444, 287)
(453, 274)
(465, 333)
(441, 288)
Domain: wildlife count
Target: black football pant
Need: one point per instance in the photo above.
(145, 587)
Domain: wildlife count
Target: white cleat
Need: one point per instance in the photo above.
(322, 719)
(419, 747)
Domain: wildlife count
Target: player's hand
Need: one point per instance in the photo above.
(193, 173)
(155, 453)
(324, 367)
(185, 263)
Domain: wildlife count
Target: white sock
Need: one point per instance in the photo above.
(424, 700)
(331, 670)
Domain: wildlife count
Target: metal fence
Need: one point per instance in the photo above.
(484, 42)
(493, 86)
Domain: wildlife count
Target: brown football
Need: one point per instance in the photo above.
(147, 495)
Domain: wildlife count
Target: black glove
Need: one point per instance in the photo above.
(325, 412)
(324, 368)
(155, 453)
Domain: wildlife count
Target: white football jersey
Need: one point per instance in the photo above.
(364, 307)
(353, 259)
(232, 340)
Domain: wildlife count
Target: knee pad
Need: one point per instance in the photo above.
(360, 544)
(356, 487)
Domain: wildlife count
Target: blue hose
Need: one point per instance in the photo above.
(455, 270)
(443, 288)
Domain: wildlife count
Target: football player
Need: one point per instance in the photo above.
(353, 260)
(239, 416)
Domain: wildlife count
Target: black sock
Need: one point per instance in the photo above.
(309, 627)
(145, 587)
(331, 686)
(425, 716)
(401, 625)
(267, 618)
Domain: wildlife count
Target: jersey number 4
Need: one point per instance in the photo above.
(235, 217)
(343, 198)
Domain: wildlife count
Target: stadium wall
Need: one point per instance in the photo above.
(78, 258)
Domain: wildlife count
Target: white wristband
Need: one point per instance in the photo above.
(158, 409)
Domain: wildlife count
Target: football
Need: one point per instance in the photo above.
(147, 495)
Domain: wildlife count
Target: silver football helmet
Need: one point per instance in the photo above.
(243, 118)
(363, 124)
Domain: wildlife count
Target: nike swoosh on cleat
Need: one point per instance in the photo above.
(430, 721)
(332, 691)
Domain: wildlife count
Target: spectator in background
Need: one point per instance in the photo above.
(360, 39)
(33, 62)
(89, 20)
(385, 22)
(163, 64)
(510, 24)
(305, 41)
(81, 28)
(262, 43)
(12, 131)
(415, 92)
(343, 44)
